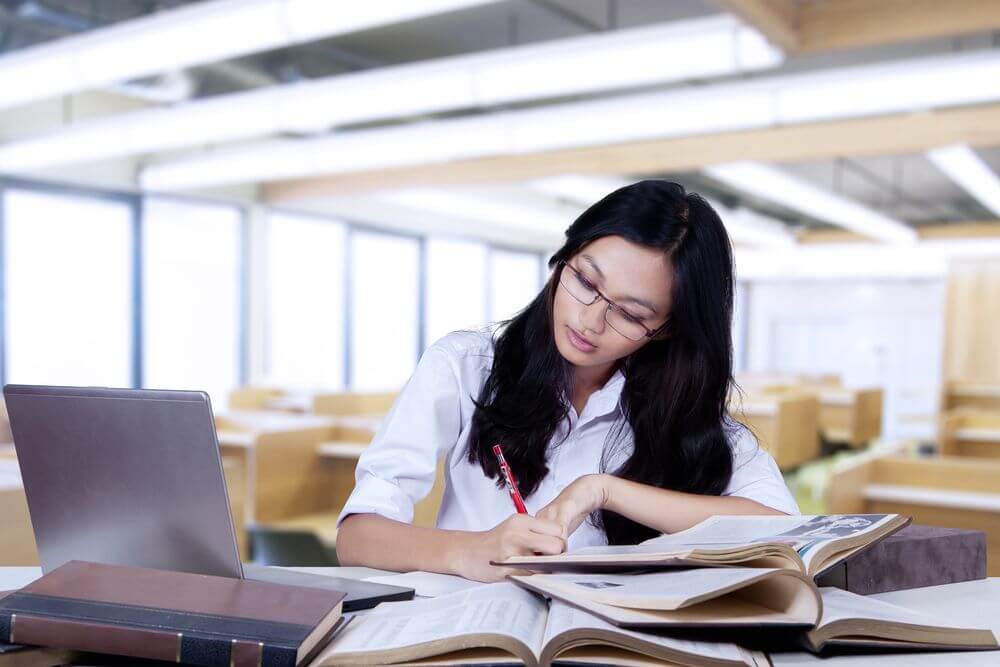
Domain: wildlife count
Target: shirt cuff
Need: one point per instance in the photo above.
(374, 495)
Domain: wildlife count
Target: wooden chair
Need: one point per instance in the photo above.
(353, 403)
(951, 492)
(786, 425)
(970, 432)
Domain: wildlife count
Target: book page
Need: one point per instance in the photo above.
(563, 617)
(495, 608)
(427, 584)
(839, 605)
(658, 590)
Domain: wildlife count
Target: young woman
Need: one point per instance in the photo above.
(607, 392)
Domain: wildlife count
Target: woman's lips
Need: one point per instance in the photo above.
(579, 342)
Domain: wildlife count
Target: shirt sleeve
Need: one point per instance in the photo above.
(397, 469)
(755, 474)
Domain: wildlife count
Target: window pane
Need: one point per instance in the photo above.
(305, 323)
(69, 308)
(456, 286)
(384, 310)
(513, 282)
(191, 292)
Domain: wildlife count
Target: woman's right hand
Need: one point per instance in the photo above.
(517, 535)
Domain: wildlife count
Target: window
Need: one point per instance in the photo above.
(514, 282)
(305, 302)
(69, 289)
(385, 310)
(191, 296)
(456, 287)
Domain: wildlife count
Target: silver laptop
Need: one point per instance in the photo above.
(134, 477)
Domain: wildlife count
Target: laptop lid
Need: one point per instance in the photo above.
(123, 476)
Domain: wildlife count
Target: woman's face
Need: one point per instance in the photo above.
(636, 278)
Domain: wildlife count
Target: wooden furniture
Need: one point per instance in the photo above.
(17, 541)
(971, 395)
(353, 403)
(277, 453)
(970, 432)
(952, 492)
(849, 416)
(786, 425)
(253, 398)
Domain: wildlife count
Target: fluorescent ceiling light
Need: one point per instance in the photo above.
(775, 185)
(698, 48)
(200, 33)
(969, 171)
(636, 117)
(743, 225)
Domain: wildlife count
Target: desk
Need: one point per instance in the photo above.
(976, 603)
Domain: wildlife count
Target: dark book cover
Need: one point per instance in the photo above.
(171, 616)
(915, 557)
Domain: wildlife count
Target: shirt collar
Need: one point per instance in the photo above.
(607, 399)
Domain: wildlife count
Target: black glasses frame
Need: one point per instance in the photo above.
(611, 304)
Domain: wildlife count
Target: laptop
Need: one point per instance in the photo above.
(134, 477)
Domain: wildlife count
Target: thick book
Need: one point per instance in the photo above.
(915, 557)
(748, 598)
(502, 624)
(173, 616)
(809, 544)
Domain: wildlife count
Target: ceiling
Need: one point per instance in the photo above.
(907, 186)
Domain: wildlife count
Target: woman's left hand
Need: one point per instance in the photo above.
(577, 501)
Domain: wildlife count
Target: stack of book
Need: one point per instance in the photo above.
(720, 593)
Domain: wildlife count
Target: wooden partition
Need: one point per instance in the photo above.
(971, 395)
(352, 403)
(277, 453)
(970, 432)
(786, 425)
(849, 416)
(951, 492)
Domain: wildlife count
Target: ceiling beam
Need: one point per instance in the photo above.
(829, 25)
(777, 19)
(987, 229)
(891, 134)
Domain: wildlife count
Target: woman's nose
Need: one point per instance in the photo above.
(592, 317)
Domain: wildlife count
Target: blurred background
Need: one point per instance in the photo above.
(284, 202)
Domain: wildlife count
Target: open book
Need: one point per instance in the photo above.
(809, 544)
(698, 598)
(850, 619)
(503, 624)
(743, 597)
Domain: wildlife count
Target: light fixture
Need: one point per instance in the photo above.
(197, 34)
(778, 186)
(969, 171)
(697, 48)
(635, 117)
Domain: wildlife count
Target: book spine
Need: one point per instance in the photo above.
(134, 642)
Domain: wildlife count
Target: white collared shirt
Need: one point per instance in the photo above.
(431, 419)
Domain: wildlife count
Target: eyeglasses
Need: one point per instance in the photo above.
(584, 291)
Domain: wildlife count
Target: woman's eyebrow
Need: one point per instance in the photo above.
(635, 300)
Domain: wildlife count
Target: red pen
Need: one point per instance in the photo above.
(508, 477)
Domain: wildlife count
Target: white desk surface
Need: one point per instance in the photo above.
(341, 450)
(976, 603)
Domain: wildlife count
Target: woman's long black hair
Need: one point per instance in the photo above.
(676, 386)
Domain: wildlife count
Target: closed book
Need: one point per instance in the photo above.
(915, 557)
(173, 616)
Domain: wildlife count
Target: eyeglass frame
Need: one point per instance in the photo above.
(611, 304)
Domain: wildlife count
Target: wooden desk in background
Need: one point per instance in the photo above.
(970, 432)
(786, 425)
(971, 395)
(951, 492)
(278, 456)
